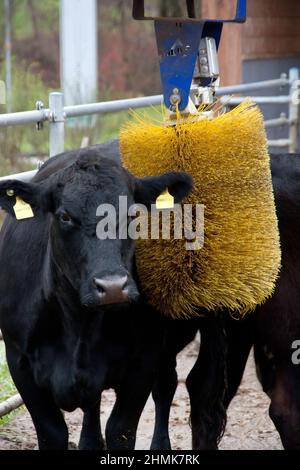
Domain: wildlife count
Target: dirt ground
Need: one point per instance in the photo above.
(249, 426)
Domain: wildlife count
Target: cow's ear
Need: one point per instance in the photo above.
(34, 194)
(148, 189)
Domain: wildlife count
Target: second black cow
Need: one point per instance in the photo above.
(273, 329)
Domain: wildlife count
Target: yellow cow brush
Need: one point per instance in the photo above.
(228, 159)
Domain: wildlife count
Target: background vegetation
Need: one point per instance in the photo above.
(127, 67)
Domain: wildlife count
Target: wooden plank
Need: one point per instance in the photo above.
(230, 54)
(259, 48)
(230, 48)
(273, 8)
(272, 30)
(272, 27)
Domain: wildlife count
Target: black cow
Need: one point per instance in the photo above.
(277, 323)
(69, 309)
(225, 343)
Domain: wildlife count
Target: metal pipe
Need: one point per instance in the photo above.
(10, 404)
(112, 106)
(28, 117)
(282, 99)
(294, 108)
(25, 117)
(56, 124)
(57, 114)
(24, 176)
(8, 79)
(278, 82)
(281, 121)
(279, 143)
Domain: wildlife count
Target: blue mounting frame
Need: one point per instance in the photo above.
(178, 42)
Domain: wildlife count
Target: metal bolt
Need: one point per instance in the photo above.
(39, 105)
(52, 117)
(175, 99)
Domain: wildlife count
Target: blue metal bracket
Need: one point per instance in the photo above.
(177, 44)
(178, 41)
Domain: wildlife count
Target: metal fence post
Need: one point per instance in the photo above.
(56, 123)
(8, 78)
(294, 108)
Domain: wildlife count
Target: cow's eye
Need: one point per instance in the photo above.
(65, 218)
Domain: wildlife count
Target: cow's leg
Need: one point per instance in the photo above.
(178, 335)
(163, 393)
(280, 379)
(239, 334)
(48, 420)
(206, 385)
(91, 437)
(131, 397)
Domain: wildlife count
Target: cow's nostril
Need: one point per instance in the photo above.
(98, 286)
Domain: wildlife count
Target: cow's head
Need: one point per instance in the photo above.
(100, 270)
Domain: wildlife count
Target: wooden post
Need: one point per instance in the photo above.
(272, 30)
(11, 404)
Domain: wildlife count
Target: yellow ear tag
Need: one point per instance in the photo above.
(165, 201)
(22, 209)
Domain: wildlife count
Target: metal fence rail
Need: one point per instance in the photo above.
(57, 114)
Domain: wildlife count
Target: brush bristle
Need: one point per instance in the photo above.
(228, 159)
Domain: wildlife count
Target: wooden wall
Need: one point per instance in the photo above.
(272, 30)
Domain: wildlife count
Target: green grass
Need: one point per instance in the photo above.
(7, 388)
(17, 140)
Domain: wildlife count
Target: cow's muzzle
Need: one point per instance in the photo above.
(111, 290)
